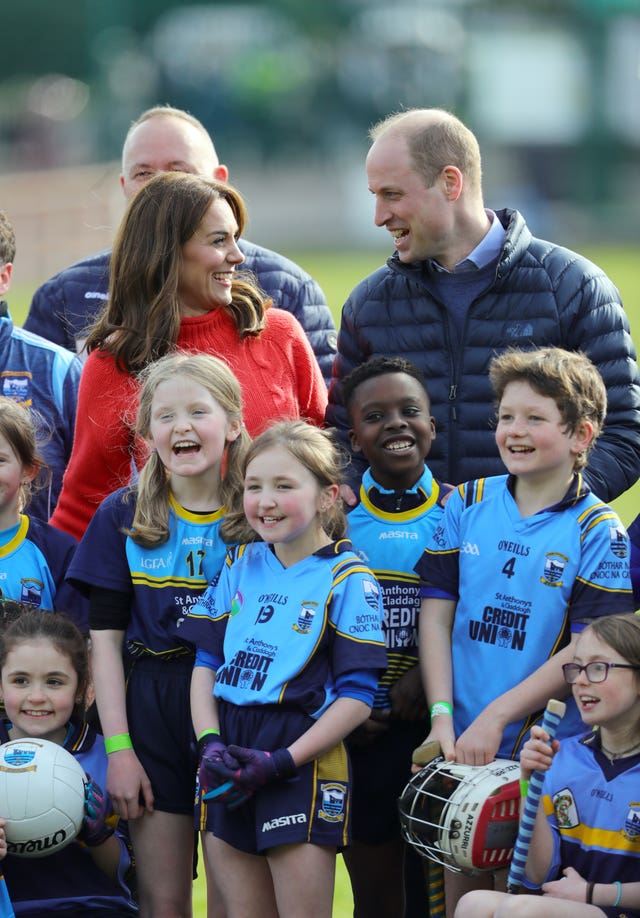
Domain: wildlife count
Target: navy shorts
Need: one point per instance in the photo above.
(314, 807)
(159, 715)
(380, 773)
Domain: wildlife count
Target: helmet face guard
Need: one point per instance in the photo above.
(464, 817)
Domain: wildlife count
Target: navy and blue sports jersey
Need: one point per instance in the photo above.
(593, 808)
(522, 585)
(164, 581)
(34, 558)
(284, 635)
(68, 881)
(44, 378)
(390, 542)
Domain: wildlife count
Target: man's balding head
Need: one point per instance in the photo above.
(165, 139)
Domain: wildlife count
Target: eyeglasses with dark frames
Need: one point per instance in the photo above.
(596, 671)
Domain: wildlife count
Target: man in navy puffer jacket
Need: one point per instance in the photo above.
(164, 139)
(466, 283)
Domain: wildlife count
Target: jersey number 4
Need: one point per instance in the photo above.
(509, 568)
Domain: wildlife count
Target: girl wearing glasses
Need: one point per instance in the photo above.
(585, 851)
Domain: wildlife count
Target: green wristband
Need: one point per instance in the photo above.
(441, 707)
(116, 743)
(524, 788)
(208, 732)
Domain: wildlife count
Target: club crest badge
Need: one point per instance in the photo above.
(305, 617)
(31, 591)
(16, 385)
(618, 541)
(554, 565)
(371, 593)
(631, 829)
(333, 798)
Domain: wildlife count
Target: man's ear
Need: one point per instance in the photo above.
(453, 182)
(221, 173)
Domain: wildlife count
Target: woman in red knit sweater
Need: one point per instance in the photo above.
(175, 285)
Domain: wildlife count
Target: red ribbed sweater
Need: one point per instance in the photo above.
(277, 371)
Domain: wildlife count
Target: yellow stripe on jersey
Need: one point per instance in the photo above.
(19, 537)
(185, 514)
(606, 839)
(158, 583)
(406, 515)
(602, 588)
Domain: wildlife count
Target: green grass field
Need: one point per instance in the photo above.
(338, 273)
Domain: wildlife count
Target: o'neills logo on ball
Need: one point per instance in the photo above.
(37, 844)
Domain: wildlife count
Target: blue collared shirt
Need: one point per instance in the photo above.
(486, 251)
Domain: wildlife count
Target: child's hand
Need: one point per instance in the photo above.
(258, 767)
(3, 841)
(128, 785)
(569, 886)
(442, 735)
(537, 753)
(97, 809)
(480, 742)
(210, 763)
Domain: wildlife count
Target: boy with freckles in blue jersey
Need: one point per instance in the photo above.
(400, 506)
(519, 566)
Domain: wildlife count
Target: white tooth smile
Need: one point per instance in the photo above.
(398, 445)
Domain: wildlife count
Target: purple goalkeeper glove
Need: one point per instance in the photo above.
(258, 767)
(97, 809)
(214, 775)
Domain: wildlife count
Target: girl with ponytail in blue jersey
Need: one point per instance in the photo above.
(33, 555)
(290, 648)
(149, 552)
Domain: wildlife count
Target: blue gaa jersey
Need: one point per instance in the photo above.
(34, 558)
(390, 542)
(593, 808)
(68, 882)
(522, 586)
(283, 635)
(165, 581)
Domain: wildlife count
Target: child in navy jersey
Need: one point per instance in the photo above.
(584, 851)
(289, 652)
(33, 555)
(400, 506)
(149, 552)
(44, 672)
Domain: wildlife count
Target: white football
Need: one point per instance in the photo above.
(41, 796)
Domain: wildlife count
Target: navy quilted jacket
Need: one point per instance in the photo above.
(541, 294)
(66, 305)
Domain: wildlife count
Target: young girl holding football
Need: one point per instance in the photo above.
(44, 673)
(584, 852)
(290, 647)
(149, 552)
